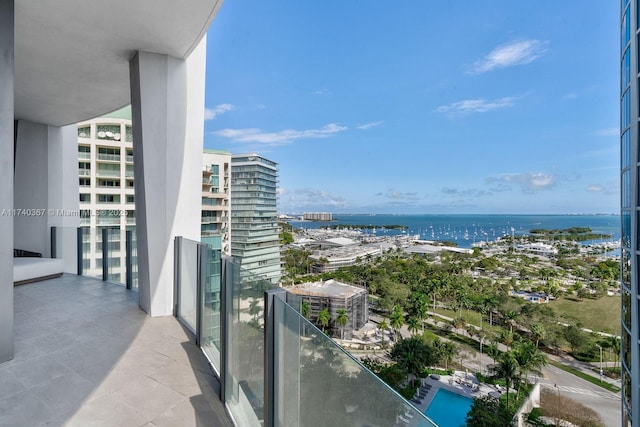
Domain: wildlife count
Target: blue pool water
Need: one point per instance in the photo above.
(448, 409)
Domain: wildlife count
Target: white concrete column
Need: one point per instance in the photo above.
(167, 102)
(63, 204)
(6, 178)
(31, 187)
(46, 189)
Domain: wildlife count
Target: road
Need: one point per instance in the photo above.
(604, 402)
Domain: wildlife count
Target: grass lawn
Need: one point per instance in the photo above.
(596, 314)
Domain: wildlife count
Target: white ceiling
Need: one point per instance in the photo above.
(72, 56)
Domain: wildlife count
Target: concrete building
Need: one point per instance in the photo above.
(334, 296)
(333, 259)
(255, 240)
(317, 216)
(630, 212)
(216, 199)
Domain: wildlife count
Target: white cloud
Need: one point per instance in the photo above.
(212, 113)
(611, 187)
(515, 53)
(396, 195)
(286, 136)
(369, 125)
(301, 198)
(608, 132)
(476, 105)
(469, 192)
(530, 182)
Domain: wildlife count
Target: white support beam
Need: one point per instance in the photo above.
(167, 100)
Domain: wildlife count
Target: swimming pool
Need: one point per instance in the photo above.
(449, 409)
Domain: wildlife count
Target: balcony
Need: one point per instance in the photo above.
(85, 354)
(108, 157)
(107, 173)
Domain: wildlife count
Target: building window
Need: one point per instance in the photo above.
(625, 150)
(84, 132)
(625, 110)
(108, 198)
(85, 198)
(131, 198)
(108, 132)
(626, 30)
(625, 78)
(85, 182)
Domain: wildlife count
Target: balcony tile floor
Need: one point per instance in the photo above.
(86, 355)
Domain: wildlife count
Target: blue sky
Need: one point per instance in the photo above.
(422, 106)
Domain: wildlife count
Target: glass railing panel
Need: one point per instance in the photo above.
(90, 252)
(188, 279)
(134, 258)
(116, 255)
(244, 383)
(211, 304)
(319, 384)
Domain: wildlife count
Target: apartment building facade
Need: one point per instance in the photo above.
(255, 241)
(216, 199)
(106, 189)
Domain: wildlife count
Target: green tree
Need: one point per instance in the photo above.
(413, 324)
(413, 355)
(342, 319)
(305, 309)
(383, 326)
(324, 318)
(575, 337)
(396, 320)
(445, 351)
(538, 332)
(486, 411)
(507, 369)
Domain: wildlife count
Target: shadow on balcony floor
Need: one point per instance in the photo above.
(85, 354)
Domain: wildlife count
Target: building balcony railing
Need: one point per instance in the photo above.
(108, 157)
(274, 364)
(129, 159)
(106, 246)
(84, 156)
(107, 173)
(84, 172)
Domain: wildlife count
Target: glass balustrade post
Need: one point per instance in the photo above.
(105, 254)
(79, 237)
(129, 258)
(271, 333)
(226, 295)
(54, 244)
(177, 260)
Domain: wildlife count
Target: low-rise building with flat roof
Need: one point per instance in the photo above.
(333, 259)
(334, 296)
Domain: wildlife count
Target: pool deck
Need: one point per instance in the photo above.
(460, 383)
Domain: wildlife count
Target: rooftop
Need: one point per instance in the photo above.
(86, 354)
(329, 288)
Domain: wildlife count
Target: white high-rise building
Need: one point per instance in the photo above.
(255, 240)
(107, 199)
(216, 197)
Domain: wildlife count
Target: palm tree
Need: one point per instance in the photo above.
(397, 320)
(383, 326)
(538, 332)
(324, 317)
(507, 369)
(413, 323)
(492, 351)
(529, 358)
(342, 320)
(305, 309)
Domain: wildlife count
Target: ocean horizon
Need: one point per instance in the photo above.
(467, 229)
